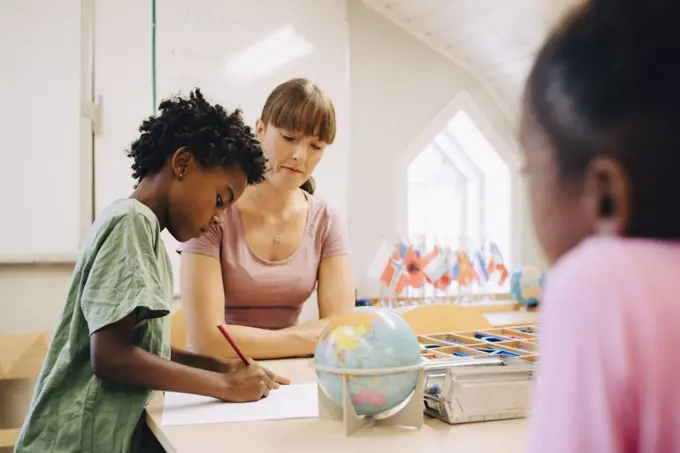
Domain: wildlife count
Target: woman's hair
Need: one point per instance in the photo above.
(215, 137)
(309, 186)
(607, 83)
(301, 106)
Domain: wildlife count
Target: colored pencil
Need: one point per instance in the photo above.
(233, 344)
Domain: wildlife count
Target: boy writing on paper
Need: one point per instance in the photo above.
(111, 347)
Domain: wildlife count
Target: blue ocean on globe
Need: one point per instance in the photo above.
(526, 285)
(368, 338)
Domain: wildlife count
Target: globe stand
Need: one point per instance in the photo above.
(409, 415)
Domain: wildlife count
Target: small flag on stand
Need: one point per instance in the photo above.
(414, 266)
(496, 263)
(436, 266)
(445, 279)
(402, 249)
(382, 256)
(463, 270)
(480, 267)
(396, 276)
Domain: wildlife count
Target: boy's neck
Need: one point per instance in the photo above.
(150, 193)
(270, 199)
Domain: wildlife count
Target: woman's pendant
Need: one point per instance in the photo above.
(277, 239)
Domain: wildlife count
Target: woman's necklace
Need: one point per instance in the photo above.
(276, 239)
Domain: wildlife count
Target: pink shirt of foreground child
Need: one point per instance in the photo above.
(269, 294)
(609, 371)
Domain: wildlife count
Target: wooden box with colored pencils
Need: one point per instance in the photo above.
(479, 375)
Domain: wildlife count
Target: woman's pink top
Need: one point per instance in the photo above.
(270, 294)
(608, 379)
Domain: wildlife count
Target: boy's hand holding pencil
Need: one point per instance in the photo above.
(236, 364)
(245, 379)
(248, 383)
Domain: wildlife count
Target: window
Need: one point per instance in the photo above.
(459, 194)
(436, 198)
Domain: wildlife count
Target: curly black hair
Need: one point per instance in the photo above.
(215, 137)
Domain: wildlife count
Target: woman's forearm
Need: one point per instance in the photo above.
(319, 325)
(258, 343)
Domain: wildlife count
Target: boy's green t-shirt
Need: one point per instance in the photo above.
(124, 267)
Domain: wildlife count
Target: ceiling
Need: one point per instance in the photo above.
(496, 40)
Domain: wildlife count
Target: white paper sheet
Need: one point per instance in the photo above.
(286, 402)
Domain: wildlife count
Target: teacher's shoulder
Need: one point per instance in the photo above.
(323, 215)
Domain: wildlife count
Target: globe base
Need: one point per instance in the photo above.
(409, 415)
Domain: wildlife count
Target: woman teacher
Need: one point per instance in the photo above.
(275, 245)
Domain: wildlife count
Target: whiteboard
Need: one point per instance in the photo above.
(45, 187)
(236, 52)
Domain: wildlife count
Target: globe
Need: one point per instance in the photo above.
(526, 285)
(368, 338)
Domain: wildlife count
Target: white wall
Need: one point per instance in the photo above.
(196, 41)
(397, 86)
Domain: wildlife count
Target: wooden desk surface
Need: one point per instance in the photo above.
(511, 318)
(314, 435)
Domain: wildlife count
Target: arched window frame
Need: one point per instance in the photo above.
(507, 151)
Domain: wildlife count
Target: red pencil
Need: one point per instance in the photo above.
(233, 344)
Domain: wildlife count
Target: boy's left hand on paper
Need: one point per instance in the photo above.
(235, 364)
